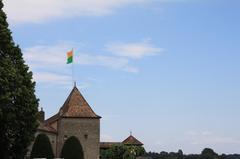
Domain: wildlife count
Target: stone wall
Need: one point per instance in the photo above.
(87, 130)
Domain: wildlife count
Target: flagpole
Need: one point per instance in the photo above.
(73, 70)
(72, 74)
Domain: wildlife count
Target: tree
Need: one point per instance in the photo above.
(208, 153)
(42, 148)
(18, 103)
(118, 151)
(121, 151)
(180, 154)
(72, 149)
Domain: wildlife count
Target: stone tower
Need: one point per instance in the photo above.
(76, 118)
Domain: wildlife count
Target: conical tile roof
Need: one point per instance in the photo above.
(131, 140)
(76, 106)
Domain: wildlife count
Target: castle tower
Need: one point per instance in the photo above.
(76, 118)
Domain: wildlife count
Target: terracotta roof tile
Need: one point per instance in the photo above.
(47, 128)
(52, 119)
(77, 106)
(131, 140)
(74, 106)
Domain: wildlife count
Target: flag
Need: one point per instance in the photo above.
(70, 57)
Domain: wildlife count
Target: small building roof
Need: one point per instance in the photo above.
(131, 140)
(52, 119)
(46, 128)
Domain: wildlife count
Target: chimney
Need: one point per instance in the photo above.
(41, 115)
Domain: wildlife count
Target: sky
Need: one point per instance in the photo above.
(167, 70)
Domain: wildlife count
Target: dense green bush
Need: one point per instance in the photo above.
(42, 148)
(121, 151)
(72, 149)
(208, 153)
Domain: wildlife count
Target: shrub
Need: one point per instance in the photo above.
(72, 149)
(42, 148)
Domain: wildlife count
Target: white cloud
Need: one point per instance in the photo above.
(198, 133)
(208, 138)
(48, 62)
(54, 58)
(206, 133)
(106, 138)
(36, 11)
(112, 62)
(46, 56)
(134, 50)
(47, 77)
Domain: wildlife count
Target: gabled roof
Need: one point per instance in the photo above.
(76, 106)
(131, 140)
(46, 128)
(52, 119)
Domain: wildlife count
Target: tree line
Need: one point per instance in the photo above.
(207, 153)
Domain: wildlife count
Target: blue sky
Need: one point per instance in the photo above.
(166, 69)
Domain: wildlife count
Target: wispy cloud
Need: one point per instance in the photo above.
(48, 62)
(44, 56)
(208, 138)
(116, 63)
(106, 138)
(37, 11)
(46, 77)
(134, 50)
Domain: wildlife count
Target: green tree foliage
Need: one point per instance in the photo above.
(166, 155)
(18, 103)
(42, 148)
(180, 154)
(208, 153)
(121, 151)
(72, 149)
